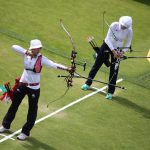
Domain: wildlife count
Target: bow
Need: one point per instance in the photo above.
(69, 78)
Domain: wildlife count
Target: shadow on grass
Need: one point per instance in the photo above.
(35, 144)
(146, 2)
(123, 101)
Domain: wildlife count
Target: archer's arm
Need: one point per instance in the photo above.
(19, 49)
(128, 40)
(49, 63)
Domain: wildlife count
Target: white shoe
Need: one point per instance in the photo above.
(3, 129)
(22, 136)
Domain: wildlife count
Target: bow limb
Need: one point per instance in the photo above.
(71, 39)
(69, 78)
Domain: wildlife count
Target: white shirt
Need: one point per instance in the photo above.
(116, 36)
(30, 76)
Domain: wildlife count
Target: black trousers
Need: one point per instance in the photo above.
(102, 57)
(19, 94)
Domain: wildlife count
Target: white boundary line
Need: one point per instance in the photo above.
(59, 110)
(6, 135)
(95, 88)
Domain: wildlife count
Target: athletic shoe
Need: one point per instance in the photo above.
(3, 129)
(22, 137)
(109, 96)
(85, 87)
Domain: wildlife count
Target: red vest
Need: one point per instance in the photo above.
(37, 67)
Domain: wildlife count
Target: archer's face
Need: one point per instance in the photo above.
(35, 51)
(123, 27)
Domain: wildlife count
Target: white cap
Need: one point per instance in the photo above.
(126, 21)
(35, 44)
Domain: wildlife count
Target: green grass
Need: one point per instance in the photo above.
(95, 123)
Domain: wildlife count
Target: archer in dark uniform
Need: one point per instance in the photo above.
(118, 32)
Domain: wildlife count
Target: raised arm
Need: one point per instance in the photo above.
(19, 49)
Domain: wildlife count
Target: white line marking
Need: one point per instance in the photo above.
(95, 88)
(5, 136)
(59, 110)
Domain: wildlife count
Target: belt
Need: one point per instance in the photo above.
(29, 84)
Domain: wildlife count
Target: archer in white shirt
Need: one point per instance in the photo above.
(117, 42)
(29, 85)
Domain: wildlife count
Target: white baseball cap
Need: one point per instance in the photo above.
(35, 44)
(126, 21)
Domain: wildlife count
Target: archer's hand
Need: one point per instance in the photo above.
(71, 69)
(117, 55)
(121, 54)
(29, 53)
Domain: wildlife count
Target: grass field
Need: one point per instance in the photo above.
(95, 123)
